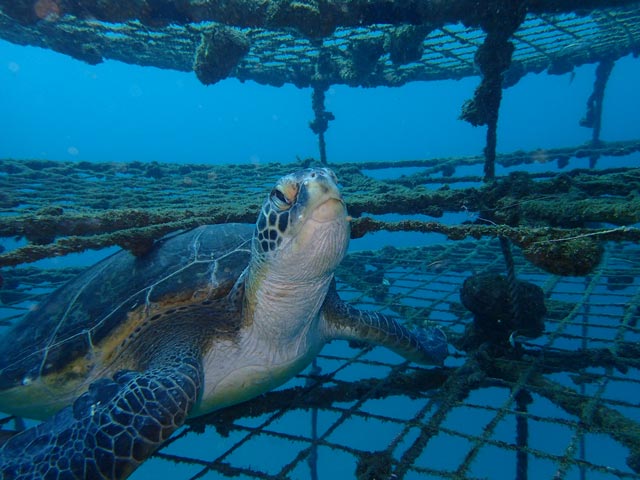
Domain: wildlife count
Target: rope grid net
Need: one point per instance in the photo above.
(278, 42)
(539, 403)
(583, 369)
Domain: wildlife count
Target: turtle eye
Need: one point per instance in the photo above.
(280, 200)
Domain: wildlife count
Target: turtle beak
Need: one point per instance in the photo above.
(323, 197)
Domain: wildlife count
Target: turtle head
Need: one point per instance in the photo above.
(303, 227)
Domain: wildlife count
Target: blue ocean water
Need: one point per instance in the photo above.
(59, 108)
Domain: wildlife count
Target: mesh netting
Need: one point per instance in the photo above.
(359, 48)
(545, 406)
(370, 415)
(552, 404)
(62, 208)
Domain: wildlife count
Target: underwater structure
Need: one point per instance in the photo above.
(539, 291)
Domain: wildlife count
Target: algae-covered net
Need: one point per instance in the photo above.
(545, 405)
(544, 385)
(307, 42)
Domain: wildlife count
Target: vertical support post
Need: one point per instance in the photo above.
(490, 148)
(320, 123)
(500, 20)
(593, 117)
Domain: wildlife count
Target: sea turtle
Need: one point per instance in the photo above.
(118, 358)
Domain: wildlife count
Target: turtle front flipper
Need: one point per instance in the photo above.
(421, 345)
(109, 430)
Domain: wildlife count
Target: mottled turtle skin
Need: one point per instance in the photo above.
(116, 360)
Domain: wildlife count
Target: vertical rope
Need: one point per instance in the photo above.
(499, 20)
(320, 123)
(593, 118)
(312, 460)
(490, 148)
(523, 399)
(511, 279)
(583, 389)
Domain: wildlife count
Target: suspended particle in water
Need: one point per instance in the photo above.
(47, 9)
(135, 91)
(13, 67)
(540, 156)
(73, 151)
